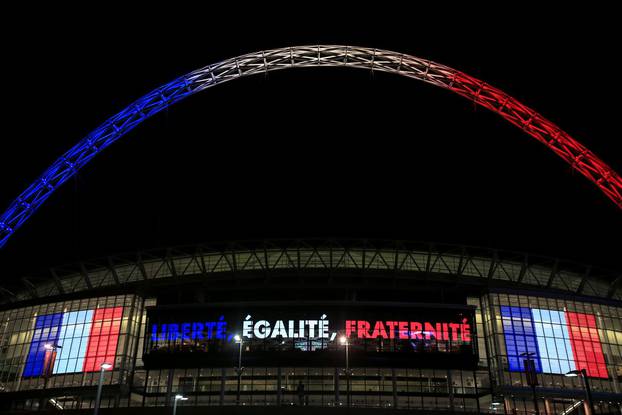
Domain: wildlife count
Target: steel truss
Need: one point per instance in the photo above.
(397, 261)
(573, 152)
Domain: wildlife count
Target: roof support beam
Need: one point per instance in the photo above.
(30, 287)
(614, 286)
(584, 279)
(493, 265)
(113, 271)
(61, 290)
(523, 269)
(171, 263)
(202, 262)
(141, 267)
(85, 275)
(549, 283)
(8, 294)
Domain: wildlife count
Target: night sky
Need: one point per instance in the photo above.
(310, 152)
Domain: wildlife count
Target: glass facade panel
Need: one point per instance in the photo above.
(553, 341)
(72, 343)
(61, 345)
(564, 335)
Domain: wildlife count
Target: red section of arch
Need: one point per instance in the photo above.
(543, 130)
(586, 346)
(103, 339)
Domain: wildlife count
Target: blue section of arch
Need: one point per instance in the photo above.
(65, 167)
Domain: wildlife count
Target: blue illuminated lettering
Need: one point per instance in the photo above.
(187, 331)
(221, 330)
(197, 331)
(173, 331)
(210, 328)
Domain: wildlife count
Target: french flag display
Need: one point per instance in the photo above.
(74, 341)
(560, 341)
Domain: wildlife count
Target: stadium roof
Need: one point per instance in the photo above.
(394, 258)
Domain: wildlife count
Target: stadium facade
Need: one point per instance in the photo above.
(379, 325)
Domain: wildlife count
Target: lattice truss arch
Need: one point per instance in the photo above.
(573, 152)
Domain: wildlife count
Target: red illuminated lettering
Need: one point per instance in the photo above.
(415, 330)
(350, 327)
(392, 325)
(454, 330)
(362, 328)
(379, 330)
(430, 330)
(465, 331)
(403, 328)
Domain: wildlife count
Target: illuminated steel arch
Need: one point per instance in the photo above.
(573, 152)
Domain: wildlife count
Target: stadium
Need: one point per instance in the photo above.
(366, 325)
(318, 323)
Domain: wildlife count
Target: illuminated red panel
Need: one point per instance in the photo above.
(586, 346)
(102, 344)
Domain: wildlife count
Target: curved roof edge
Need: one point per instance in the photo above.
(531, 271)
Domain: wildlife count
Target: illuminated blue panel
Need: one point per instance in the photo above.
(553, 341)
(520, 337)
(47, 329)
(73, 339)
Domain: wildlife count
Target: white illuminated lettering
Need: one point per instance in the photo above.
(290, 332)
(312, 325)
(287, 329)
(323, 329)
(247, 328)
(279, 329)
(262, 329)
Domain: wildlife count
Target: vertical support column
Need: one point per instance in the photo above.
(508, 407)
(337, 398)
(195, 388)
(489, 353)
(169, 387)
(279, 392)
(450, 390)
(117, 399)
(123, 367)
(495, 340)
(586, 408)
(505, 408)
(394, 387)
(479, 410)
(286, 396)
(548, 407)
(607, 347)
(127, 367)
(613, 376)
(497, 350)
(146, 388)
(222, 386)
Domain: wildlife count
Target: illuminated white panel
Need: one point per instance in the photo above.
(553, 341)
(73, 339)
